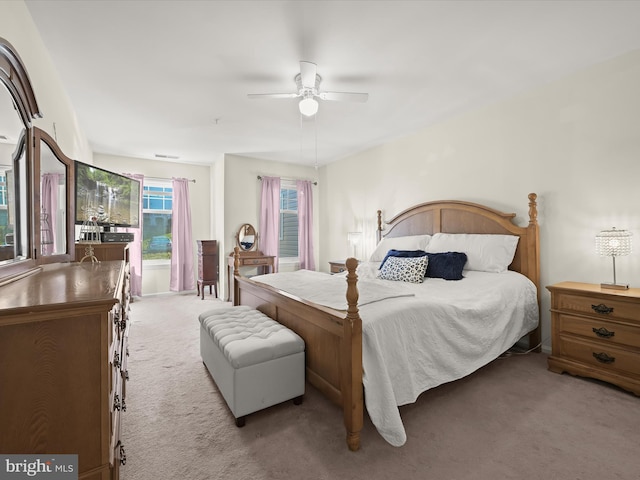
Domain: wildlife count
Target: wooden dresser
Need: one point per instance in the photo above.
(208, 265)
(63, 364)
(596, 333)
(103, 251)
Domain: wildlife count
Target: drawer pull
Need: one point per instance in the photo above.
(602, 309)
(116, 402)
(116, 360)
(603, 332)
(603, 357)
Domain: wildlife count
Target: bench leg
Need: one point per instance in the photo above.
(240, 421)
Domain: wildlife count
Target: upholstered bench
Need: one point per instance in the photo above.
(255, 361)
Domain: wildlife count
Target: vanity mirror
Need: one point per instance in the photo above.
(247, 238)
(55, 171)
(35, 179)
(18, 108)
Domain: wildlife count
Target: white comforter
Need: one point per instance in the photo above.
(418, 336)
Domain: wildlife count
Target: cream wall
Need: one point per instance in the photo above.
(575, 142)
(242, 195)
(59, 119)
(156, 278)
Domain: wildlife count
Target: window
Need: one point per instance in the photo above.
(157, 201)
(288, 220)
(5, 229)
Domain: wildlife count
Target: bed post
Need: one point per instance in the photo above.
(236, 271)
(533, 266)
(379, 231)
(352, 390)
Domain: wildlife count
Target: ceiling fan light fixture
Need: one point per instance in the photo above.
(308, 106)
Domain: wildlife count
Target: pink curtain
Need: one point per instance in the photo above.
(269, 229)
(305, 224)
(49, 191)
(182, 272)
(135, 247)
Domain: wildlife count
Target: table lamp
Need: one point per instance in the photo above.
(613, 243)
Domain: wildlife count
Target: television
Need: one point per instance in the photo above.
(109, 199)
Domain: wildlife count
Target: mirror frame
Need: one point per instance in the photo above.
(40, 136)
(14, 76)
(255, 241)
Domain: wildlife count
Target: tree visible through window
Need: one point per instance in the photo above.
(157, 200)
(288, 220)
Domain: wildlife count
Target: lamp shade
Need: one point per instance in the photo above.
(613, 243)
(308, 106)
(354, 238)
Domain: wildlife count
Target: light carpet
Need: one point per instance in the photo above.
(512, 419)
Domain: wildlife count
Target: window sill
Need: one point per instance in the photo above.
(288, 260)
(156, 264)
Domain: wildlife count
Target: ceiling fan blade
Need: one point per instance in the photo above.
(308, 72)
(344, 96)
(273, 95)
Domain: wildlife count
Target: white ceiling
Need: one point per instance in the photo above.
(170, 77)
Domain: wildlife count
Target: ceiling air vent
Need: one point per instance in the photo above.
(170, 157)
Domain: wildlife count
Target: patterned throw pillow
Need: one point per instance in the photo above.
(404, 269)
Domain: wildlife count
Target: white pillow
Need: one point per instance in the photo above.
(411, 242)
(404, 269)
(485, 252)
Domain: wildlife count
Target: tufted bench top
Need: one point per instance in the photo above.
(247, 336)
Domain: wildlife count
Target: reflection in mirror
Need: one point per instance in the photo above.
(247, 237)
(14, 224)
(53, 203)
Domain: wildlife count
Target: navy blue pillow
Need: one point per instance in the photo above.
(446, 265)
(402, 253)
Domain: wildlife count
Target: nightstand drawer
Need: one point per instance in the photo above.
(607, 332)
(599, 355)
(600, 307)
(337, 267)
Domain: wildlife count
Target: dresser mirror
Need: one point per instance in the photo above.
(247, 238)
(33, 230)
(14, 211)
(55, 170)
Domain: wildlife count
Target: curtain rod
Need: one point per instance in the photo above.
(161, 178)
(289, 178)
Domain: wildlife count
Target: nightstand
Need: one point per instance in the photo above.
(338, 266)
(595, 333)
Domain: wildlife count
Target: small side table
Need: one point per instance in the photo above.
(595, 333)
(338, 266)
(263, 263)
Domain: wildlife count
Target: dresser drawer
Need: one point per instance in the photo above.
(254, 261)
(599, 307)
(601, 330)
(606, 357)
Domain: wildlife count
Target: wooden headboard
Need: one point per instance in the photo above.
(453, 216)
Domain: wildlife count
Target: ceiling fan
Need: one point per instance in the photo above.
(308, 85)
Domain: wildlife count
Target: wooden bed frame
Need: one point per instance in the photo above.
(334, 339)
